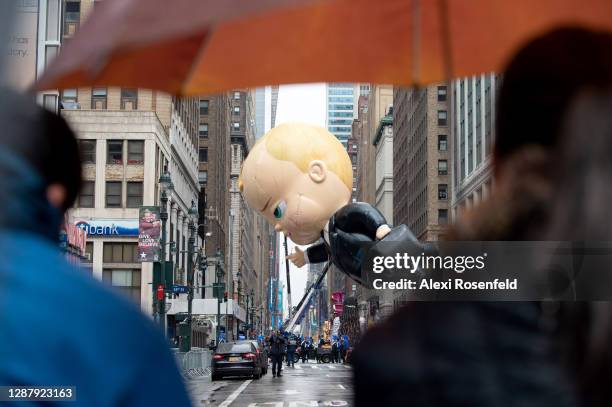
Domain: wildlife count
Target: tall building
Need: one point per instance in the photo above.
(360, 135)
(128, 138)
(473, 134)
(379, 101)
(213, 176)
(341, 109)
(421, 158)
(265, 101)
(383, 142)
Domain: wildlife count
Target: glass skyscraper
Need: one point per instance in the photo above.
(341, 109)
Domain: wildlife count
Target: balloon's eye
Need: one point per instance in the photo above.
(279, 211)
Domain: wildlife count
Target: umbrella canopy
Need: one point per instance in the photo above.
(207, 46)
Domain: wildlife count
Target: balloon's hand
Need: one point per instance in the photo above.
(297, 257)
(382, 231)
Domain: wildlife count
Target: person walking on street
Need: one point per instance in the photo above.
(277, 350)
(291, 348)
(320, 349)
(335, 351)
(304, 350)
(343, 347)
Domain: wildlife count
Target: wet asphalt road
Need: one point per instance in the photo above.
(309, 384)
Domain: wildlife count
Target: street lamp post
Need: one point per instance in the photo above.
(186, 325)
(219, 277)
(165, 182)
(237, 300)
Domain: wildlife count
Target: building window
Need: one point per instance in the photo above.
(114, 153)
(203, 177)
(72, 17)
(442, 192)
(236, 126)
(120, 252)
(442, 117)
(442, 143)
(442, 167)
(237, 95)
(204, 104)
(87, 195)
(442, 216)
(441, 93)
(126, 280)
(88, 151)
(203, 155)
(98, 98)
(113, 194)
(89, 246)
(236, 109)
(129, 99)
(135, 152)
(134, 194)
(69, 99)
(204, 129)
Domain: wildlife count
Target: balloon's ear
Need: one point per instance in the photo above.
(317, 170)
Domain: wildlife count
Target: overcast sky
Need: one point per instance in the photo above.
(305, 104)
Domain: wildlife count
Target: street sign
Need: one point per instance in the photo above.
(180, 289)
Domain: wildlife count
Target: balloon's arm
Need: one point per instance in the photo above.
(361, 217)
(316, 253)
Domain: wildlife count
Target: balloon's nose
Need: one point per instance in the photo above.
(278, 227)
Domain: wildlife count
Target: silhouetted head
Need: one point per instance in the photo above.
(541, 81)
(40, 168)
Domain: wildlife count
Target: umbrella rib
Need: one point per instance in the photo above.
(196, 61)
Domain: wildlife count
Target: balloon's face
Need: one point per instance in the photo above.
(297, 203)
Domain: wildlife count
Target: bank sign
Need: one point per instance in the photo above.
(109, 227)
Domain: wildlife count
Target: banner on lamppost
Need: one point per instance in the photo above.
(149, 232)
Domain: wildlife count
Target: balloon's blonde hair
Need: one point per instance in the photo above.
(303, 143)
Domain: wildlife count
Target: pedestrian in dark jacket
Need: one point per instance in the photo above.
(278, 348)
(320, 349)
(304, 350)
(335, 351)
(291, 349)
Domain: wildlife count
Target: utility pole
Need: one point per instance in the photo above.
(186, 326)
(288, 279)
(165, 182)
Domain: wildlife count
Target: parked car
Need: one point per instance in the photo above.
(263, 353)
(236, 359)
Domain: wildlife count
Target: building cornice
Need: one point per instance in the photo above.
(384, 122)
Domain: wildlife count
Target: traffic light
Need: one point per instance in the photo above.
(225, 296)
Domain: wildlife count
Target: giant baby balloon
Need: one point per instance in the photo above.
(299, 177)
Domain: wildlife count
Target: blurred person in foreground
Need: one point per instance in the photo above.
(500, 353)
(61, 327)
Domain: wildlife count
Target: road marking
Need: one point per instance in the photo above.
(230, 399)
(347, 366)
(342, 387)
(291, 391)
(328, 375)
(298, 367)
(331, 367)
(314, 367)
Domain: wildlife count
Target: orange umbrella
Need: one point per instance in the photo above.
(207, 46)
